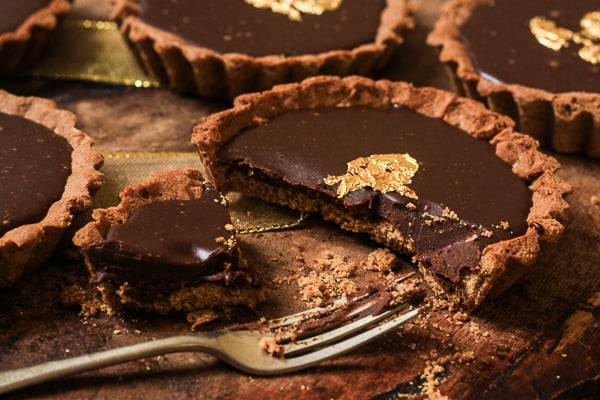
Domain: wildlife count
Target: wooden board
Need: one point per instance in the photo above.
(539, 340)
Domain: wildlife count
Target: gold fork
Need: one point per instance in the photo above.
(290, 343)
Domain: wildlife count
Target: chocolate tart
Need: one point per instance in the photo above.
(494, 53)
(48, 171)
(26, 29)
(472, 222)
(219, 49)
(168, 246)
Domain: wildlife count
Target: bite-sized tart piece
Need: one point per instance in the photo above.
(48, 171)
(423, 171)
(26, 29)
(536, 61)
(220, 49)
(168, 246)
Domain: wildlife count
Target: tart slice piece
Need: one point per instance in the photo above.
(169, 246)
(423, 171)
(48, 172)
(26, 29)
(220, 49)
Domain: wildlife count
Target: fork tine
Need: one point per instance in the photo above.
(287, 365)
(323, 310)
(310, 343)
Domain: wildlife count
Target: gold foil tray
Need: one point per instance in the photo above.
(247, 215)
(91, 51)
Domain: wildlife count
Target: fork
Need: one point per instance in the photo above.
(249, 349)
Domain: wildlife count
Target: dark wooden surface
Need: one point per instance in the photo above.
(539, 340)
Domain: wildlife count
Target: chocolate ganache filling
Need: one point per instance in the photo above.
(169, 244)
(235, 26)
(467, 197)
(504, 49)
(15, 12)
(35, 163)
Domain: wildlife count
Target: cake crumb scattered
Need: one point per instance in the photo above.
(229, 227)
(330, 278)
(486, 233)
(594, 200)
(270, 345)
(448, 213)
(460, 317)
(87, 298)
(381, 260)
(201, 317)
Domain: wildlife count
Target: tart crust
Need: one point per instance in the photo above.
(29, 246)
(567, 122)
(181, 184)
(189, 68)
(501, 262)
(19, 48)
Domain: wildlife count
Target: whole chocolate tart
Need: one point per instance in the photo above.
(168, 246)
(537, 61)
(48, 171)
(26, 29)
(220, 49)
(426, 172)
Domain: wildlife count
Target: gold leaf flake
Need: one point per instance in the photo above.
(549, 35)
(590, 25)
(294, 8)
(381, 172)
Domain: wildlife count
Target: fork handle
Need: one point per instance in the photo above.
(28, 376)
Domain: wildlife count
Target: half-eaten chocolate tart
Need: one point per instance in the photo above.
(537, 61)
(220, 49)
(48, 171)
(26, 29)
(423, 171)
(168, 246)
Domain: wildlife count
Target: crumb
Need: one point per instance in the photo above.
(87, 298)
(487, 233)
(201, 317)
(338, 265)
(73, 295)
(435, 367)
(270, 345)
(430, 218)
(331, 278)
(594, 200)
(286, 279)
(382, 260)
(220, 240)
(460, 317)
(448, 213)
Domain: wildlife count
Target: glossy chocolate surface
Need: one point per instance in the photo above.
(236, 26)
(456, 172)
(173, 241)
(34, 166)
(504, 50)
(15, 12)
